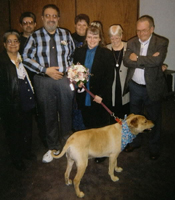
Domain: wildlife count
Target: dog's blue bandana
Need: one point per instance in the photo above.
(127, 136)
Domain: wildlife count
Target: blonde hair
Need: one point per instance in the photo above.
(115, 30)
(96, 30)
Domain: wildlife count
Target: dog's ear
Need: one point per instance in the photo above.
(134, 122)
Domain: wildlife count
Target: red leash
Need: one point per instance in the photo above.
(107, 109)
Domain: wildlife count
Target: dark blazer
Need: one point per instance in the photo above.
(11, 104)
(102, 72)
(154, 77)
(9, 88)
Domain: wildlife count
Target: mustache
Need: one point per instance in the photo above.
(51, 22)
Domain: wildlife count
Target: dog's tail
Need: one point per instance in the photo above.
(54, 155)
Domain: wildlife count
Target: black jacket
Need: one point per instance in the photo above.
(102, 72)
(10, 105)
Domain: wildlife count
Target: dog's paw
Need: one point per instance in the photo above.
(68, 182)
(118, 169)
(114, 178)
(80, 195)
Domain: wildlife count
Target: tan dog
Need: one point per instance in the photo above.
(99, 142)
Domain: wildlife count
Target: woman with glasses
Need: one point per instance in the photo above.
(16, 101)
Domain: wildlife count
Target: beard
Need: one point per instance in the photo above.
(51, 26)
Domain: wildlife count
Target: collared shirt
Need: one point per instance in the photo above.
(36, 56)
(138, 76)
(21, 71)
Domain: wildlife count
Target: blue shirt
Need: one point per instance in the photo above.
(38, 49)
(90, 54)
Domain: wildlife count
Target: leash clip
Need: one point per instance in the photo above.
(116, 119)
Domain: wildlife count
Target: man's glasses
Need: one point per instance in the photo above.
(143, 31)
(53, 16)
(10, 42)
(25, 23)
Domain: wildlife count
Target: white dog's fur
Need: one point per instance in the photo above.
(99, 142)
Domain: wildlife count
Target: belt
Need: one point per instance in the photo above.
(141, 85)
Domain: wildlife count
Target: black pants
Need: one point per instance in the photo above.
(140, 102)
(18, 130)
(95, 116)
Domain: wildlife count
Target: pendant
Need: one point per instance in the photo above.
(53, 47)
(117, 65)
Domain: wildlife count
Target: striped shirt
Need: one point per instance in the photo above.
(36, 55)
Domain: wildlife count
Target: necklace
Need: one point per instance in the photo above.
(116, 59)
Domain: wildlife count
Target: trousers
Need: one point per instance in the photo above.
(54, 98)
(140, 103)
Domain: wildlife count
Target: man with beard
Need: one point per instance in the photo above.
(48, 53)
(28, 23)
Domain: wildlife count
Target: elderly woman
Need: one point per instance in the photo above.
(16, 101)
(120, 103)
(98, 60)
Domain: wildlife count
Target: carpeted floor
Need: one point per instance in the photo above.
(141, 179)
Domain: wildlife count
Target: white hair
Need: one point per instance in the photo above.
(115, 30)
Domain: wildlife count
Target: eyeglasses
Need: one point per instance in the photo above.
(53, 16)
(143, 31)
(10, 42)
(25, 23)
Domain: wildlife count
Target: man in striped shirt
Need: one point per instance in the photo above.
(48, 53)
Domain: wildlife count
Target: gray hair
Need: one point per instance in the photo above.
(147, 18)
(115, 30)
(11, 32)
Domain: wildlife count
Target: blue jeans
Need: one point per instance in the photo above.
(140, 103)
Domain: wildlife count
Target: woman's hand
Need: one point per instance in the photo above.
(81, 84)
(97, 99)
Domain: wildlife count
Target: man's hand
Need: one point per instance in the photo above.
(164, 67)
(97, 99)
(54, 73)
(156, 54)
(133, 57)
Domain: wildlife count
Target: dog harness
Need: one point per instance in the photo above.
(127, 136)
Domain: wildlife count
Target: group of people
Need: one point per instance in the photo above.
(33, 73)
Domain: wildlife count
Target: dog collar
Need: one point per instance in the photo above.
(127, 136)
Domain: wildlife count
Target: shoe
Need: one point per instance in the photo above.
(129, 148)
(19, 165)
(154, 156)
(47, 158)
(99, 160)
(30, 156)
